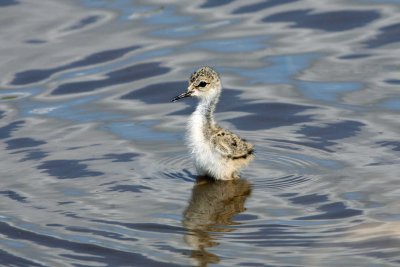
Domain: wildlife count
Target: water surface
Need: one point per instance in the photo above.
(93, 164)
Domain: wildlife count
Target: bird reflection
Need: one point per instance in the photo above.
(211, 209)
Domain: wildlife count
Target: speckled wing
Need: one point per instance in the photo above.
(230, 145)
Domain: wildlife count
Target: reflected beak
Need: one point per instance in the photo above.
(183, 95)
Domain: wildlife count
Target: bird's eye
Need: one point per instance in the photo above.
(202, 84)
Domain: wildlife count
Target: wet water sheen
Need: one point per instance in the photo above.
(94, 171)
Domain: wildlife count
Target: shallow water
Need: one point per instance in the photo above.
(93, 164)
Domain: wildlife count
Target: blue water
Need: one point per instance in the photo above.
(94, 170)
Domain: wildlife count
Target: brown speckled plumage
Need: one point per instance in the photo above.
(228, 144)
(205, 72)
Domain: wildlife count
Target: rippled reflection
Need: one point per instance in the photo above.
(32, 76)
(210, 213)
(328, 21)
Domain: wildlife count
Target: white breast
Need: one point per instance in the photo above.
(207, 160)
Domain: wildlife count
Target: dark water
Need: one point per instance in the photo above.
(93, 167)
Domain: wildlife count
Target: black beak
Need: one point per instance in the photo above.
(183, 95)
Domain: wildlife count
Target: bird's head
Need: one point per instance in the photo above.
(203, 83)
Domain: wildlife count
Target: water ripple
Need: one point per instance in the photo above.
(94, 169)
(281, 165)
(33, 76)
(121, 76)
(72, 249)
(341, 20)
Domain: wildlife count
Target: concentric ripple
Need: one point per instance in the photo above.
(178, 166)
(280, 165)
(277, 165)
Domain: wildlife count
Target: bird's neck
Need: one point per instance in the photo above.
(205, 109)
(201, 121)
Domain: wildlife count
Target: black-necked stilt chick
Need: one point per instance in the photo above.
(217, 153)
